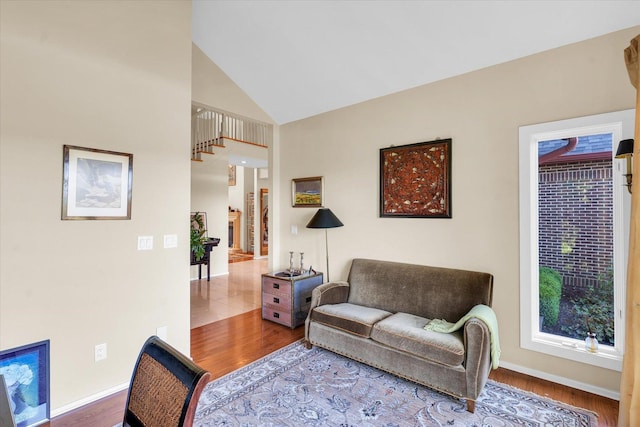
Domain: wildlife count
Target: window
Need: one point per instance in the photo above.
(574, 216)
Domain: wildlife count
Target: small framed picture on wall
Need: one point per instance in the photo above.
(307, 192)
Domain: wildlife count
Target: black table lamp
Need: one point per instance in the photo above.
(324, 218)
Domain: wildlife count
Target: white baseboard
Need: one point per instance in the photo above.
(89, 399)
(204, 276)
(611, 394)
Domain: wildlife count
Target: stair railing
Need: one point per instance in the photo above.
(210, 128)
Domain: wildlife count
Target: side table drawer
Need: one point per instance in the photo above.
(276, 287)
(284, 318)
(278, 302)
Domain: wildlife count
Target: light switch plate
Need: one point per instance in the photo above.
(145, 243)
(170, 241)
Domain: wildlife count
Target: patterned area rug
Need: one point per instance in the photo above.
(298, 387)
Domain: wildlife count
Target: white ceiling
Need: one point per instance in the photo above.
(296, 59)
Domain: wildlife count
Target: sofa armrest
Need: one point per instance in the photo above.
(477, 342)
(327, 293)
(330, 293)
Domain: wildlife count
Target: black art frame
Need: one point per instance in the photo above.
(415, 180)
(26, 373)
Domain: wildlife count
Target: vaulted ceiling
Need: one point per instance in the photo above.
(296, 59)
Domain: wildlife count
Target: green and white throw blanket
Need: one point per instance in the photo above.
(481, 312)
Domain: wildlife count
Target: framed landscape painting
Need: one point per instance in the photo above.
(415, 180)
(96, 184)
(26, 375)
(307, 192)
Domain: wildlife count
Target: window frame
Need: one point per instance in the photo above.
(621, 125)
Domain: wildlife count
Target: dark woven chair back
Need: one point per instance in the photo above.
(165, 387)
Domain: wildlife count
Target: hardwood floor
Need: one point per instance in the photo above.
(228, 344)
(607, 409)
(220, 347)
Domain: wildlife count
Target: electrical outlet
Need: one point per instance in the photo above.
(101, 352)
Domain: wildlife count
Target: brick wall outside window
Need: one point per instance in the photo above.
(576, 220)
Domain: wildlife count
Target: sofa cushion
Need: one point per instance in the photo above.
(406, 332)
(356, 319)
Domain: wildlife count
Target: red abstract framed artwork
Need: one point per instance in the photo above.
(415, 180)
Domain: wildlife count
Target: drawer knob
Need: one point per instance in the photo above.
(276, 300)
(276, 315)
(276, 286)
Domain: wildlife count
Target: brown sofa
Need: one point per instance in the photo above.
(378, 317)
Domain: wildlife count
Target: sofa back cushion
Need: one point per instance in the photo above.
(431, 292)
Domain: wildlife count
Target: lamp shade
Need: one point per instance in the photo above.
(625, 148)
(324, 218)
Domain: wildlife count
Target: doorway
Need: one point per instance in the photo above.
(264, 222)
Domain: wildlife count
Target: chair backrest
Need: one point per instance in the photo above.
(165, 387)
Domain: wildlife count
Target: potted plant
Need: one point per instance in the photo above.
(198, 237)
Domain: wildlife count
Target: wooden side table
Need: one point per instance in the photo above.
(286, 300)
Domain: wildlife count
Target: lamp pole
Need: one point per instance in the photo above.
(326, 245)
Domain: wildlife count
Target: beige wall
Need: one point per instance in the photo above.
(481, 112)
(209, 189)
(110, 75)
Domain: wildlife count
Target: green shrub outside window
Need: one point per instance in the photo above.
(550, 294)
